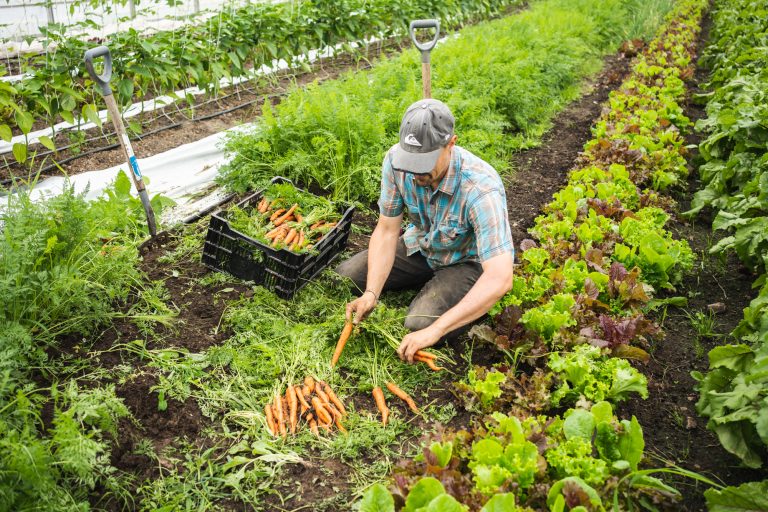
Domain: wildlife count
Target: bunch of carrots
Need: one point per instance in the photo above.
(288, 226)
(421, 356)
(315, 403)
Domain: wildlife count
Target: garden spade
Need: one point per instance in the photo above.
(103, 82)
(426, 48)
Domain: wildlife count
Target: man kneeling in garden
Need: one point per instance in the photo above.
(458, 243)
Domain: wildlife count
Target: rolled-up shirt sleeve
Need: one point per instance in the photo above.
(390, 200)
(490, 222)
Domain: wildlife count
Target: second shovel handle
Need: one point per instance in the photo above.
(426, 46)
(102, 80)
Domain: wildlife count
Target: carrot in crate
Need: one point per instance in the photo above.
(276, 214)
(290, 236)
(279, 220)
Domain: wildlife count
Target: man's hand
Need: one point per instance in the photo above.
(361, 307)
(418, 340)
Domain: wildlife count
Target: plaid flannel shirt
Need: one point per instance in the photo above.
(464, 219)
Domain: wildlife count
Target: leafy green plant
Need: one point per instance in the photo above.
(745, 497)
(67, 262)
(584, 372)
(734, 396)
(57, 468)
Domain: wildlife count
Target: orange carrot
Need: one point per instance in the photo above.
(264, 205)
(286, 412)
(310, 383)
(280, 235)
(280, 417)
(381, 403)
(320, 393)
(395, 390)
(301, 240)
(345, 333)
(273, 233)
(322, 413)
(337, 418)
(270, 419)
(428, 362)
(279, 220)
(332, 410)
(300, 396)
(299, 217)
(335, 399)
(276, 214)
(426, 355)
(317, 224)
(293, 406)
(313, 425)
(290, 236)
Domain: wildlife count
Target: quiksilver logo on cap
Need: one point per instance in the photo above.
(411, 140)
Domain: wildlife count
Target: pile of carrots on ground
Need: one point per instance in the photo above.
(315, 402)
(289, 228)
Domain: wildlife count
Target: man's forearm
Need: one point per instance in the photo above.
(488, 289)
(381, 257)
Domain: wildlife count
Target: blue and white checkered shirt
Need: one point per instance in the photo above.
(464, 219)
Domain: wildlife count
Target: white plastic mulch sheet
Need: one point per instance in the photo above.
(185, 174)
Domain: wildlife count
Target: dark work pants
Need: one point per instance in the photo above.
(442, 289)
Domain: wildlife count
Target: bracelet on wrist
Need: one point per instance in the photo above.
(372, 293)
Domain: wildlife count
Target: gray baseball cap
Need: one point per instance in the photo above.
(426, 129)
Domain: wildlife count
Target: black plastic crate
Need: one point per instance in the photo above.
(279, 270)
